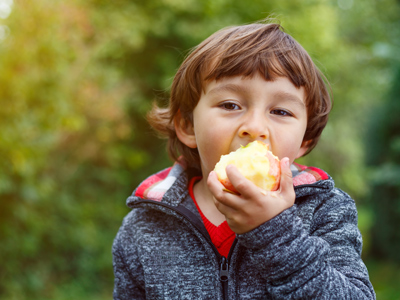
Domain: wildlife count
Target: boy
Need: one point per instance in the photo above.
(186, 238)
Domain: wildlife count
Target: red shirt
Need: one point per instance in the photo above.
(221, 236)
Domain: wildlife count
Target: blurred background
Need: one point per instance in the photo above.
(77, 78)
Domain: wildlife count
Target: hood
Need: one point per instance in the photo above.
(170, 185)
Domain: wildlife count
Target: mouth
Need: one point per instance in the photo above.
(244, 144)
(249, 142)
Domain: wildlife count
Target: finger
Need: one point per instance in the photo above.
(286, 185)
(244, 186)
(214, 185)
(220, 196)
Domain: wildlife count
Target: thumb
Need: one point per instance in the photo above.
(286, 185)
(285, 169)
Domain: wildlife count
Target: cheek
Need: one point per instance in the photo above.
(287, 145)
(211, 146)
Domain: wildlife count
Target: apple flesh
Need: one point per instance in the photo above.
(255, 162)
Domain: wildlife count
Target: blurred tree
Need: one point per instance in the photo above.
(359, 75)
(62, 125)
(384, 159)
(77, 78)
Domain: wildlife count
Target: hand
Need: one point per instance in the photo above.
(253, 206)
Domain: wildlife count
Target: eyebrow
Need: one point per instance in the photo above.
(282, 95)
(230, 87)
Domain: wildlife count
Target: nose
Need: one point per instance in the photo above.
(254, 127)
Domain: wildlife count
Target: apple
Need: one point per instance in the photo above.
(255, 162)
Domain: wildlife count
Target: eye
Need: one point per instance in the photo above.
(281, 112)
(229, 106)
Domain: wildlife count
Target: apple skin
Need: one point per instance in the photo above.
(255, 162)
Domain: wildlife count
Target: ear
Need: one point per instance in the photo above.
(303, 149)
(185, 131)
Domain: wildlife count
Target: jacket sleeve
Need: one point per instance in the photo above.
(128, 273)
(322, 261)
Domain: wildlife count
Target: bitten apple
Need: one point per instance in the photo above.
(255, 162)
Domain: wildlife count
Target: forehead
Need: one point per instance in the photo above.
(270, 68)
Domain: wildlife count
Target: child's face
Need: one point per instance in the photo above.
(235, 111)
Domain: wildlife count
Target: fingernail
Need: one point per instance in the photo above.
(286, 162)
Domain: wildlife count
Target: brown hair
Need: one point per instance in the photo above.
(242, 50)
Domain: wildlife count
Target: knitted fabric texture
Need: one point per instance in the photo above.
(310, 251)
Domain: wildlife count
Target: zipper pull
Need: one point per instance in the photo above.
(224, 270)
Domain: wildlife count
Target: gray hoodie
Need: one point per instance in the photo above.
(309, 251)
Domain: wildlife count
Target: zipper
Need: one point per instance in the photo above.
(224, 276)
(224, 270)
(223, 261)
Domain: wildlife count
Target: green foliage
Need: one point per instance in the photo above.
(385, 276)
(77, 78)
(384, 159)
